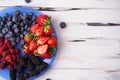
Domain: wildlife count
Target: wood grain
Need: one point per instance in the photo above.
(89, 47)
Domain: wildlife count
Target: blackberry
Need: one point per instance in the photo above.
(48, 79)
(12, 74)
(34, 73)
(26, 75)
(30, 65)
(35, 59)
(20, 76)
(22, 62)
(42, 66)
(19, 68)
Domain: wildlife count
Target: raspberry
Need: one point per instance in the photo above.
(10, 66)
(5, 53)
(17, 51)
(12, 50)
(2, 66)
(13, 57)
(6, 42)
(1, 43)
(8, 58)
(3, 60)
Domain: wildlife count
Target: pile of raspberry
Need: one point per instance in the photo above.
(9, 55)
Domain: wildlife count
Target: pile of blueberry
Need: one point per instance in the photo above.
(28, 66)
(14, 27)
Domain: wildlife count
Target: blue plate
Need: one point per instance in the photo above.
(5, 73)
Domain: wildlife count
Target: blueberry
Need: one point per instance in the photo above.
(0, 18)
(17, 12)
(2, 23)
(27, 1)
(26, 26)
(11, 33)
(5, 30)
(34, 22)
(26, 21)
(14, 26)
(62, 24)
(7, 36)
(12, 39)
(7, 15)
(21, 24)
(9, 24)
(25, 15)
(1, 35)
(30, 15)
(16, 30)
(34, 18)
(4, 19)
(17, 39)
(25, 32)
(13, 43)
(14, 19)
(48, 79)
(21, 29)
(22, 42)
(21, 36)
(9, 18)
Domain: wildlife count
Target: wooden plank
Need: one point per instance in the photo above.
(65, 3)
(76, 74)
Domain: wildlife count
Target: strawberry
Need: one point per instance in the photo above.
(35, 52)
(12, 50)
(48, 30)
(52, 41)
(42, 40)
(2, 66)
(34, 28)
(43, 20)
(32, 45)
(42, 49)
(28, 37)
(26, 49)
(47, 55)
(39, 31)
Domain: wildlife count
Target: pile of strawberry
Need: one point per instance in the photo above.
(8, 54)
(39, 40)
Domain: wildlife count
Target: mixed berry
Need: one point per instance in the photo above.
(34, 35)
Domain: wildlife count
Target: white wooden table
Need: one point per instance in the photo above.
(89, 47)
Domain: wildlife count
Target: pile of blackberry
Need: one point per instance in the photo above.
(28, 66)
(14, 27)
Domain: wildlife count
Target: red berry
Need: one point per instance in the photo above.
(10, 66)
(3, 60)
(17, 51)
(2, 66)
(12, 50)
(3, 48)
(5, 53)
(8, 58)
(14, 57)
(1, 43)
(6, 42)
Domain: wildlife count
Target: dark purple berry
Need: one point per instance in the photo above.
(62, 24)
